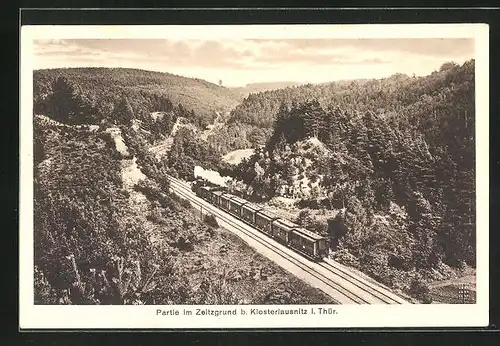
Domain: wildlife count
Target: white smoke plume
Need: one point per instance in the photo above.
(211, 176)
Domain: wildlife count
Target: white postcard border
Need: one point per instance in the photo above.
(81, 317)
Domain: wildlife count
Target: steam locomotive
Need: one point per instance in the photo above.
(309, 244)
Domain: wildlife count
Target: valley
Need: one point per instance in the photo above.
(383, 168)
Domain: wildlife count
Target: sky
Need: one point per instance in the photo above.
(242, 61)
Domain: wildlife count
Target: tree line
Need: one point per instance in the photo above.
(67, 102)
(254, 117)
(89, 95)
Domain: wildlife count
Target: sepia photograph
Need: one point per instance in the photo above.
(251, 175)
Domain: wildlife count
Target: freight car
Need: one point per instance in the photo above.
(309, 244)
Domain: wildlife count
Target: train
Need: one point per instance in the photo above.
(286, 232)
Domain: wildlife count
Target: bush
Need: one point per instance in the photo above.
(345, 257)
(211, 220)
(420, 290)
(308, 203)
(152, 191)
(215, 291)
(182, 201)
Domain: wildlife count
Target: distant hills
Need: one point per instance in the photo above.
(265, 86)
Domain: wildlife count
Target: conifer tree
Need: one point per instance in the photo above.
(123, 113)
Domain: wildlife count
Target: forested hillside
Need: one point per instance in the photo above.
(140, 100)
(396, 156)
(95, 92)
(251, 121)
(188, 151)
(101, 240)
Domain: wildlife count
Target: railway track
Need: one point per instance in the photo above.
(162, 148)
(342, 285)
(387, 296)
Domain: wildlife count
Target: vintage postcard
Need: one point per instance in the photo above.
(254, 176)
